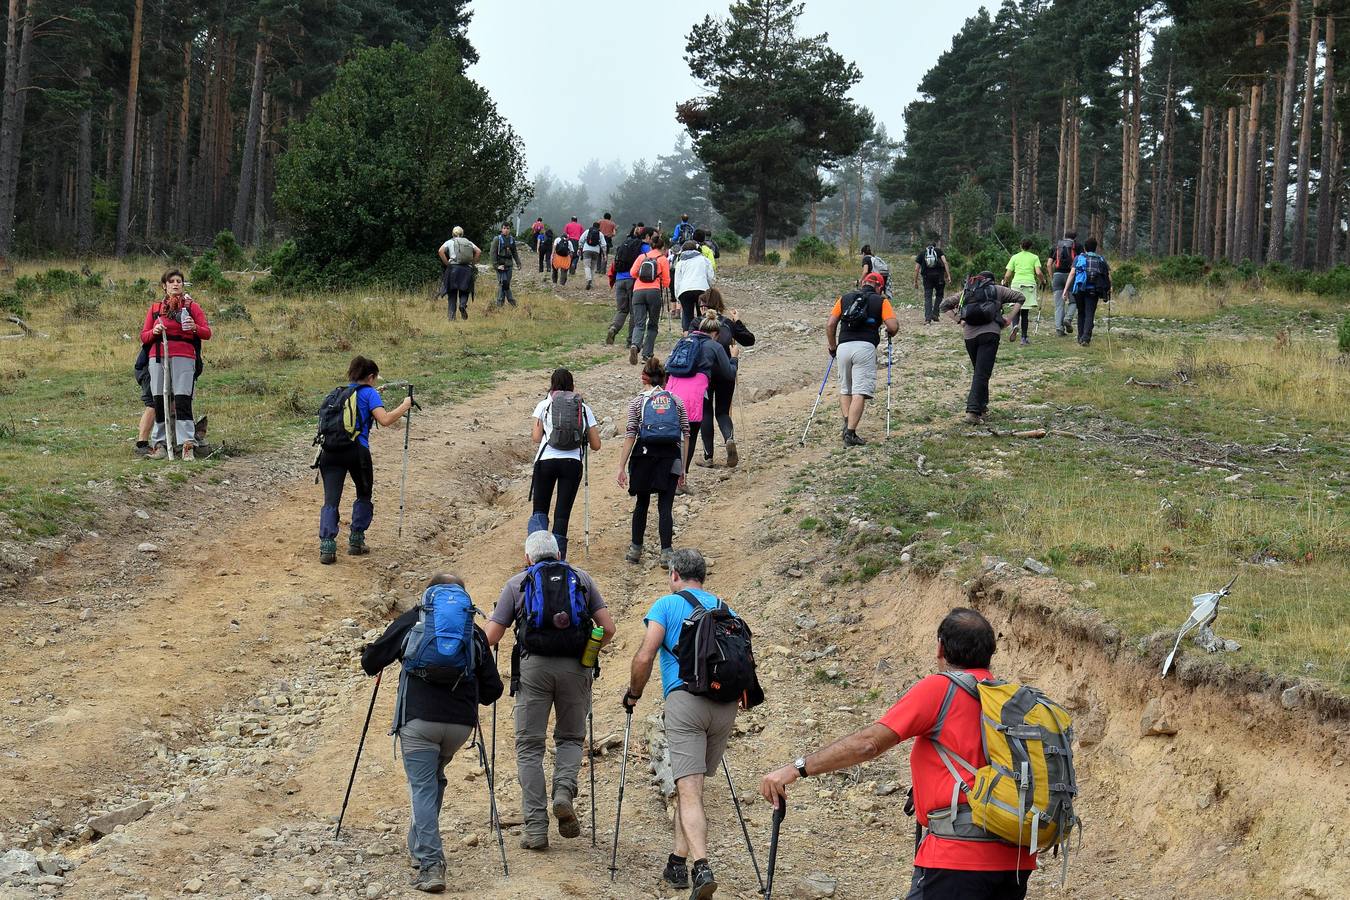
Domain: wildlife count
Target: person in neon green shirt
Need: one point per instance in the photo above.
(1023, 273)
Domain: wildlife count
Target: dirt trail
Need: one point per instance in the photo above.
(226, 691)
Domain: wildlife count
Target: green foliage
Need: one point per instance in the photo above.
(401, 148)
(1334, 282)
(180, 254)
(54, 281)
(772, 258)
(812, 250)
(970, 209)
(728, 241)
(233, 311)
(1180, 270)
(228, 251)
(206, 271)
(1343, 335)
(12, 302)
(1127, 273)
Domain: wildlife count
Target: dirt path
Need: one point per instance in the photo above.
(216, 678)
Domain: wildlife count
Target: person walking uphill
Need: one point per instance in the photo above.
(694, 274)
(592, 251)
(505, 258)
(696, 362)
(543, 246)
(930, 265)
(707, 672)
(732, 331)
(651, 276)
(621, 279)
(1060, 266)
(344, 440)
(564, 249)
(554, 608)
(980, 312)
(652, 461)
(1089, 285)
(1024, 274)
(458, 255)
(437, 707)
(180, 318)
(565, 428)
(957, 859)
(852, 338)
(573, 232)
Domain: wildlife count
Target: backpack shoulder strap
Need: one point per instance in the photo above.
(690, 599)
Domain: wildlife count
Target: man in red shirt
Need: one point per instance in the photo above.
(944, 868)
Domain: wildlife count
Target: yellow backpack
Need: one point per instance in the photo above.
(1024, 794)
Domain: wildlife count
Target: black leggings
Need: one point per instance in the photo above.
(718, 406)
(566, 474)
(665, 517)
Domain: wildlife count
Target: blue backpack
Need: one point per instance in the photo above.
(683, 359)
(659, 423)
(682, 230)
(555, 619)
(440, 647)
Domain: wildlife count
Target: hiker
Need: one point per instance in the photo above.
(621, 279)
(651, 276)
(459, 255)
(732, 331)
(1023, 273)
(1090, 284)
(436, 713)
(564, 248)
(537, 228)
(694, 363)
(873, 263)
(1060, 265)
(852, 339)
(707, 246)
(592, 249)
(652, 461)
(945, 867)
(141, 369)
(565, 429)
(683, 231)
(554, 607)
(607, 228)
(353, 458)
(697, 725)
(573, 231)
(979, 309)
(693, 276)
(505, 259)
(178, 316)
(931, 266)
(543, 245)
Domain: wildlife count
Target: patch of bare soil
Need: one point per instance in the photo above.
(216, 678)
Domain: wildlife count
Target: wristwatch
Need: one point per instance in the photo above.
(800, 763)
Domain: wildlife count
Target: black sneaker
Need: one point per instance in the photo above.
(851, 439)
(430, 879)
(702, 884)
(676, 875)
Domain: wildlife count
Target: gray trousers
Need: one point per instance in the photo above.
(623, 303)
(562, 685)
(427, 748)
(182, 383)
(647, 305)
(1063, 311)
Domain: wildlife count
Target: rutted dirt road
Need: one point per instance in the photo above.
(216, 678)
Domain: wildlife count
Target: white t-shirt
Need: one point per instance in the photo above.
(541, 412)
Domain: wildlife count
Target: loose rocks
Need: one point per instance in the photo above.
(815, 886)
(106, 823)
(1154, 722)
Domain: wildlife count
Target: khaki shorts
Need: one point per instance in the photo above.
(857, 362)
(697, 730)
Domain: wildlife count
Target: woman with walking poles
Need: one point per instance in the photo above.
(174, 328)
(565, 429)
(652, 461)
(731, 331)
(344, 439)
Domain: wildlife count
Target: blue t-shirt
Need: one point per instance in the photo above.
(670, 612)
(367, 399)
(620, 276)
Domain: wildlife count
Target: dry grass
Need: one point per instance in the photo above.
(1195, 303)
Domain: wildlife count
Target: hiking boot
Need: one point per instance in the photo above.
(356, 544)
(706, 462)
(609, 336)
(732, 456)
(327, 551)
(973, 419)
(534, 842)
(681, 490)
(702, 884)
(569, 826)
(676, 874)
(1012, 333)
(1025, 342)
(463, 313)
(158, 453)
(851, 439)
(633, 356)
(588, 284)
(430, 879)
(142, 448)
(667, 554)
(187, 451)
(634, 553)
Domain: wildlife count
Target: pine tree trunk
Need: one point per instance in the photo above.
(84, 176)
(260, 181)
(1035, 211)
(1279, 197)
(1220, 201)
(129, 133)
(1061, 166)
(1014, 184)
(1299, 241)
(1233, 140)
(1075, 171)
(1253, 154)
(761, 228)
(248, 160)
(180, 190)
(1326, 174)
(18, 58)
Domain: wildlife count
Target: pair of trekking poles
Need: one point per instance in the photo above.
(779, 811)
(825, 380)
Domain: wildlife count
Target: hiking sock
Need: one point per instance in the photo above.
(356, 544)
(673, 860)
(327, 551)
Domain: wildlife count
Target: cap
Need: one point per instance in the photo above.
(875, 279)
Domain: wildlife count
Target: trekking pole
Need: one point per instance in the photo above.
(359, 745)
(166, 392)
(888, 385)
(492, 798)
(819, 394)
(618, 807)
(494, 718)
(779, 812)
(586, 494)
(403, 481)
(749, 846)
(590, 763)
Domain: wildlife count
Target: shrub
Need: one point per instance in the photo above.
(1343, 335)
(1127, 273)
(1333, 282)
(12, 302)
(206, 268)
(1180, 270)
(772, 258)
(812, 249)
(55, 280)
(728, 241)
(1281, 276)
(233, 311)
(84, 305)
(228, 251)
(180, 254)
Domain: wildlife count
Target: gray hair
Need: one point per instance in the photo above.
(689, 564)
(541, 545)
(457, 231)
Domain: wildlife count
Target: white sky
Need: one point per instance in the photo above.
(527, 53)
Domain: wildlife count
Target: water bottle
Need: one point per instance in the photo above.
(592, 651)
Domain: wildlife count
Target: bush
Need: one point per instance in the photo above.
(1180, 270)
(812, 250)
(1127, 273)
(55, 280)
(84, 305)
(180, 254)
(12, 302)
(1343, 335)
(228, 251)
(728, 241)
(206, 269)
(233, 311)
(773, 258)
(1333, 282)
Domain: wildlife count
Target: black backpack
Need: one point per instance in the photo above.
(1063, 255)
(502, 248)
(627, 254)
(593, 237)
(979, 302)
(554, 618)
(715, 654)
(339, 419)
(567, 421)
(856, 309)
(650, 270)
(562, 247)
(1097, 274)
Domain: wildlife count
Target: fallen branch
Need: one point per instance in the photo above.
(1033, 433)
(28, 330)
(1147, 384)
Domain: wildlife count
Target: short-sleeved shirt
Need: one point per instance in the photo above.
(541, 412)
(913, 716)
(670, 612)
(367, 400)
(607, 227)
(573, 230)
(846, 334)
(1023, 265)
(449, 248)
(512, 599)
(936, 271)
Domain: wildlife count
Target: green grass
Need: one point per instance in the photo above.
(71, 403)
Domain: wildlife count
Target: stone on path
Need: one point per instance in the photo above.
(1154, 722)
(19, 862)
(815, 886)
(106, 823)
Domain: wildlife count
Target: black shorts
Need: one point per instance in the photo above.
(958, 884)
(143, 379)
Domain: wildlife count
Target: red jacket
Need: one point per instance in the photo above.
(180, 341)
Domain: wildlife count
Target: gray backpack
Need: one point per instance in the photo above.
(567, 421)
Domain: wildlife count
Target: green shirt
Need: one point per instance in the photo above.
(1023, 266)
